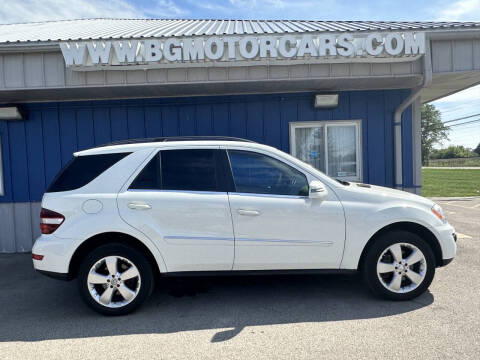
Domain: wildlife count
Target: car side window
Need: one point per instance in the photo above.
(184, 169)
(261, 174)
(149, 178)
(193, 170)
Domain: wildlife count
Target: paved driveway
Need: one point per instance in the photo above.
(308, 317)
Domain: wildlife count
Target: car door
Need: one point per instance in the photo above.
(179, 200)
(276, 224)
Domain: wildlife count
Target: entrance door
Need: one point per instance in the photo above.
(276, 224)
(179, 201)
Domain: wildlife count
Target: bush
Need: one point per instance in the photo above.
(452, 152)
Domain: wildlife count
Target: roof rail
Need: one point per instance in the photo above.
(174, 138)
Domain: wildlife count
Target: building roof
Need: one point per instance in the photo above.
(86, 29)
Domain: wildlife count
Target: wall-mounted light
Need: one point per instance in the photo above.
(11, 113)
(326, 101)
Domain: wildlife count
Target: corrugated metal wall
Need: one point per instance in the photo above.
(35, 150)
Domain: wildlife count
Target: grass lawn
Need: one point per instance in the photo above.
(451, 182)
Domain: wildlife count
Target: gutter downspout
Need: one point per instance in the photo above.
(397, 117)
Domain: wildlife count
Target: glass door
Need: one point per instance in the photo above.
(332, 147)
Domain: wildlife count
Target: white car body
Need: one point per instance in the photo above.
(189, 231)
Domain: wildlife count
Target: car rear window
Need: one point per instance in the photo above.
(82, 169)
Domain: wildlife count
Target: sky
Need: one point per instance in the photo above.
(462, 104)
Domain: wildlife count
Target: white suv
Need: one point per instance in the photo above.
(119, 215)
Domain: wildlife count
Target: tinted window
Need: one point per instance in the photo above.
(83, 169)
(193, 170)
(261, 174)
(149, 178)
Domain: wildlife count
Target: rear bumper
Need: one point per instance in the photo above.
(56, 253)
(55, 275)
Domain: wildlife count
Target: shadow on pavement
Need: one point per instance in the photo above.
(33, 307)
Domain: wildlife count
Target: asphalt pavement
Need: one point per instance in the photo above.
(272, 317)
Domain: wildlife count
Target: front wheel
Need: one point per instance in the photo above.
(399, 266)
(115, 279)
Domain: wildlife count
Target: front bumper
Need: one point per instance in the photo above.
(445, 262)
(447, 239)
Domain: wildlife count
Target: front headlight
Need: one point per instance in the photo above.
(438, 212)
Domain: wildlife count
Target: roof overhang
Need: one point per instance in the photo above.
(43, 70)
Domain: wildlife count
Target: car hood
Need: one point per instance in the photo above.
(385, 194)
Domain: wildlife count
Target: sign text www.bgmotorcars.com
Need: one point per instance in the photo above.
(228, 50)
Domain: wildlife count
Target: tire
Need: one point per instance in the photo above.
(406, 281)
(110, 294)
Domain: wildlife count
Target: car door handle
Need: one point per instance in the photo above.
(139, 206)
(248, 212)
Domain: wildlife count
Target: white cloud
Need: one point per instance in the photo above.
(255, 3)
(14, 11)
(298, 9)
(165, 9)
(460, 10)
(462, 104)
(465, 96)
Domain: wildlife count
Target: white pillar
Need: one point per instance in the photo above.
(417, 145)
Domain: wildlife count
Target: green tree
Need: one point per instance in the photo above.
(433, 130)
(452, 152)
(477, 149)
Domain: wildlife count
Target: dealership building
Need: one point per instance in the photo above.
(342, 96)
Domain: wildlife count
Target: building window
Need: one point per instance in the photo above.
(333, 147)
(1, 168)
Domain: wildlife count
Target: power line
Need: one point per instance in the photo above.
(452, 109)
(463, 129)
(466, 122)
(460, 118)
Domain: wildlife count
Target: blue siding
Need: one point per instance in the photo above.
(376, 136)
(35, 150)
(36, 173)
(358, 110)
(52, 147)
(101, 126)
(19, 163)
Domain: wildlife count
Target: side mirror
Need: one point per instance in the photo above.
(317, 190)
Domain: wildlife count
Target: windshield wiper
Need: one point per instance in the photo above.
(343, 182)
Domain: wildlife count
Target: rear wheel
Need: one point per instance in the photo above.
(399, 266)
(115, 279)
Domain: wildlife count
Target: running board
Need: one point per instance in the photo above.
(258, 272)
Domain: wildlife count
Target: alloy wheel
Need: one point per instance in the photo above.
(114, 281)
(401, 267)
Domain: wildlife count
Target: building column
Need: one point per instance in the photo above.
(417, 145)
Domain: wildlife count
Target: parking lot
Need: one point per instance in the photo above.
(307, 317)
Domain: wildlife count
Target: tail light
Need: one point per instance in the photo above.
(50, 221)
